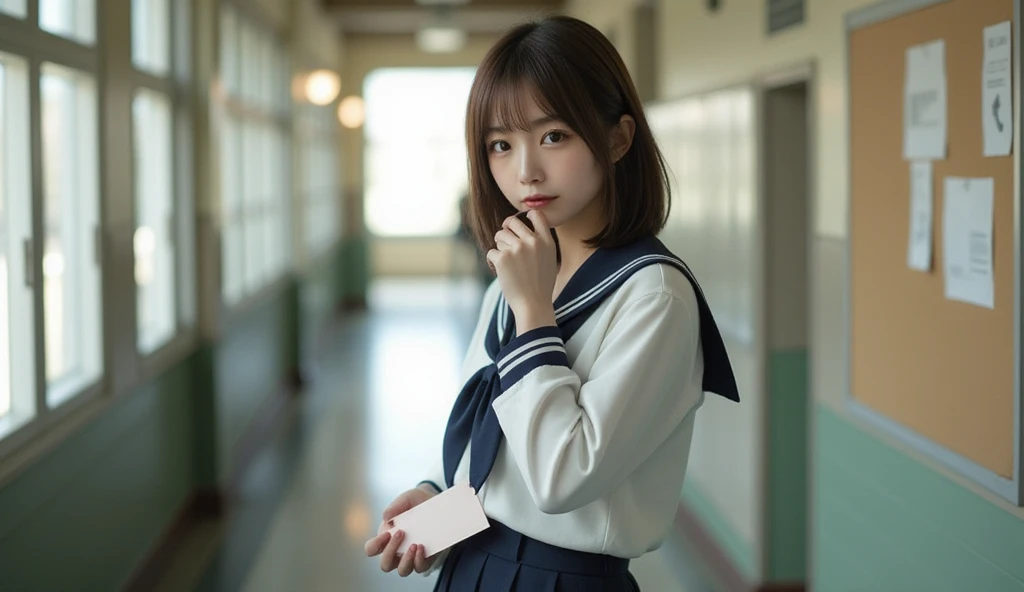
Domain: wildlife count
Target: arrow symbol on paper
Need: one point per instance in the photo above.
(995, 114)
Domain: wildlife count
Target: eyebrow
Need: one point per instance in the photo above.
(533, 124)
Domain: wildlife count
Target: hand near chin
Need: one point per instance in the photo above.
(526, 263)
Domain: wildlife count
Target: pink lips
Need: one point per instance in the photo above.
(537, 201)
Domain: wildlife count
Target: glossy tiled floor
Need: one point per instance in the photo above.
(371, 421)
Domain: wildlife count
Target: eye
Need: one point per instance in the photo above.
(555, 136)
(499, 146)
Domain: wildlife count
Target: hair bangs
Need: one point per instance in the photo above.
(505, 103)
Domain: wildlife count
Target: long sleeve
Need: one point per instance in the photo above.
(575, 441)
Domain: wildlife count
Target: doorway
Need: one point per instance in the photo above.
(788, 231)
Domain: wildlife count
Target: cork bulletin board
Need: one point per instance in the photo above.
(939, 374)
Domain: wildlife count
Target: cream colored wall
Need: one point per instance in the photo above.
(701, 51)
(317, 33)
(709, 144)
(363, 54)
(614, 18)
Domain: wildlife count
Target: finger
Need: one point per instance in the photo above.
(518, 227)
(406, 565)
(540, 223)
(505, 238)
(375, 546)
(400, 505)
(421, 561)
(493, 258)
(388, 559)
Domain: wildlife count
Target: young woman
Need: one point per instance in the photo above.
(586, 369)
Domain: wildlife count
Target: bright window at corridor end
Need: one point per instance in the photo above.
(415, 151)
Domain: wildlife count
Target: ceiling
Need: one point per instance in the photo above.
(405, 16)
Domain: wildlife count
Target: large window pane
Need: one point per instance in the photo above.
(13, 7)
(74, 19)
(154, 207)
(72, 311)
(415, 112)
(232, 248)
(255, 158)
(230, 67)
(185, 216)
(254, 190)
(17, 335)
(151, 21)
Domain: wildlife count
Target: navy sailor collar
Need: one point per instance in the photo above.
(603, 273)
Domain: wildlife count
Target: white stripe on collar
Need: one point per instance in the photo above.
(586, 297)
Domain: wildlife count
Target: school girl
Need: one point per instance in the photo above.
(591, 356)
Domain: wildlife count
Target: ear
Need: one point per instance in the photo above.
(622, 137)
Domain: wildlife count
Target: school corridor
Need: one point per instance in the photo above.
(236, 288)
(315, 494)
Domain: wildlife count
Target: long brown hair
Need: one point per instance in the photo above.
(577, 76)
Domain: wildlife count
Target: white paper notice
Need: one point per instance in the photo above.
(919, 247)
(924, 102)
(996, 91)
(967, 240)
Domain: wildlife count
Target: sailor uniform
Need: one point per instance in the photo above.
(576, 437)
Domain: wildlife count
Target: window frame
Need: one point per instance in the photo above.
(48, 424)
(262, 114)
(176, 87)
(122, 371)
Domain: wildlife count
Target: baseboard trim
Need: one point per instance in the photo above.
(203, 505)
(262, 427)
(200, 506)
(689, 526)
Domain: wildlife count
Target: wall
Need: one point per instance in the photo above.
(84, 516)
(860, 506)
(883, 517)
(87, 514)
(614, 18)
(714, 227)
(363, 54)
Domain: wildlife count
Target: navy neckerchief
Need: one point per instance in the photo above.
(473, 418)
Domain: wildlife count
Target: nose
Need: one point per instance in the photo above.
(530, 170)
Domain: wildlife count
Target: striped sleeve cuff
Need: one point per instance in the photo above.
(531, 350)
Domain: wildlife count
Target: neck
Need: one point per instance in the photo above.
(571, 239)
(574, 250)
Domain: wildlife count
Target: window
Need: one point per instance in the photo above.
(255, 158)
(74, 19)
(415, 117)
(151, 50)
(13, 7)
(320, 183)
(154, 213)
(71, 254)
(162, 147)
(17, 332)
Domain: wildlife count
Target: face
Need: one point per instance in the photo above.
(548, 168)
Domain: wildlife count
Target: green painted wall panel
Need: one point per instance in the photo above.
(252, 358)
(787, 466)
(355, 268)
(904, 522)
(84, 517)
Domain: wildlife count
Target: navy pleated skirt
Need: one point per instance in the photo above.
(500, 559)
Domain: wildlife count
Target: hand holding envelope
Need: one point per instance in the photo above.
(428, 525)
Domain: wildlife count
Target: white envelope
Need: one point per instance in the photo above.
(442, 521)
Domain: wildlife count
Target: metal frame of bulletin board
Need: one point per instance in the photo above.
(957, 399)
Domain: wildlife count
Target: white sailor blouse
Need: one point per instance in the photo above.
(578, 435)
